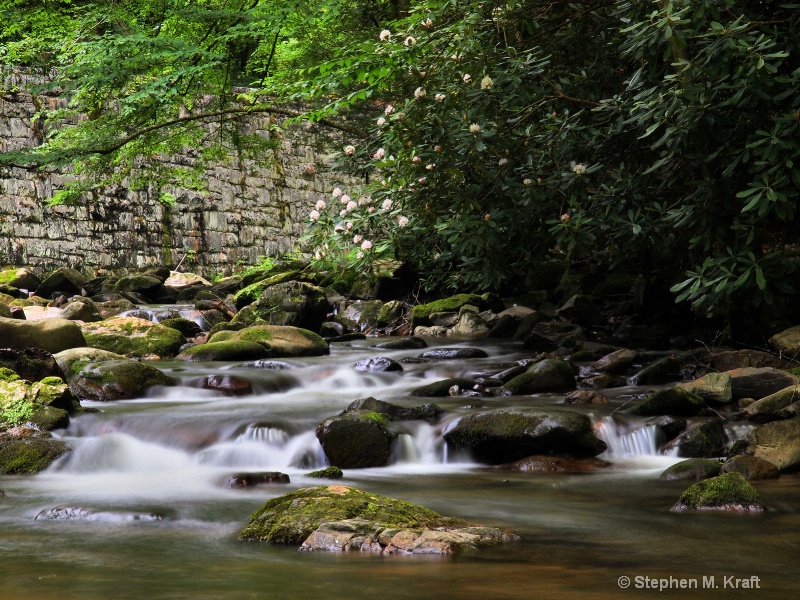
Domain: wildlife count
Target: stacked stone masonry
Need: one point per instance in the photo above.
(250, 208)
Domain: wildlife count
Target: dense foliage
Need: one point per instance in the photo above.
(655, 138)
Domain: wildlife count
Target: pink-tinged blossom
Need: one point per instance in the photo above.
(314, 215)
(357, 239)
(379, 153)
(389, 109)
(387, 204)
(440, 97)
(344, 199)
(402, 221)
(360, 255)
(422, 179)
(320, 205)
(351, 206)
(410, 41)
(430, 166)
(467, 78)
(564, 218)
(371, 209)
(349, 225)
(350, 150)
(419, 93)
(381, 121)
(416, 159)
(437, 148)
(385, 35)
(337, 192)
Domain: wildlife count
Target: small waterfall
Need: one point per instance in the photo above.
(624, 442)
(266, 448)
(422, 445)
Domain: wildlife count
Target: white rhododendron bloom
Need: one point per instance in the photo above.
(357, 239)
(379, 153)
(360, 255)
(381, 121)
(351, 206)
(502, 162)
(419, 93)
(389, 109)
(416, 159)
(314, 214)
(467, 78)
(385, 35)
(350, 150)
(320, 205)
(427, 23)
(387, 204)
(366, 245)
(579, 169)
(344, 199)
(349, 225)
(430, 166)
(337, 192)
(402, 221)
(410, 41)
(440, 97)
(474, 128)
(487, 83)
(526, 181)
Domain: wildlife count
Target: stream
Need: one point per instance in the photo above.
(164, 523)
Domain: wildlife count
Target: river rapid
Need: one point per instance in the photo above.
(169, 455)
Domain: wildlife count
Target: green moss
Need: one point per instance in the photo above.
(126, 336)
(726, 489)
(250, 294)
(374, 416)
(422, 312)
(7, 275)
(327, 473)
(671, 401)
(290, 519)
(30, 455)
(225, 350)
(8, 375)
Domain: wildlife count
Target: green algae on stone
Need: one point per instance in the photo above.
(133, 337)
(671, 401)
(291, 518)
(28, 456)
(692, 469)
(421, 313)
(281, 340)
(729, 491)
(250, 293)
(326, 473)
(225, 351)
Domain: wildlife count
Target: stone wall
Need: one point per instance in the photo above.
(250, 208)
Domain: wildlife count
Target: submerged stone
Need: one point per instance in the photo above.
(326, 473)
(355, 440)
(692, 469)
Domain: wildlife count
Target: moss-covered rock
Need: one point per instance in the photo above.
(427, 412)
(507, 434)
(730, 492)
(52, 335)
(750, 467)
(292, 303)
(134, 338)
(326, 473)
(82, 309)
(280, 341)
(251, 292)
(224, 351)
(421, 313)
(100, 375)
(692, 469)
(670, 401)
(47, 403)
(290, 519)
(361, 315)
(769, 408)
(402, 343)
(21, 279)
(549, 375)
(66, 281)
(32, 364)
(188, 329)
(704, 440)
(28, 456)
(714, 387)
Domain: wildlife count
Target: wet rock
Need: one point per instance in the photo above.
(661, 371)
(509, 374)
(331, 329)
(78, 513)
(30, 455)
(15, 312)
(249, 480)
(134, 338)
(275, 365)
(714, 387)
(616, 362)
(443, 319)
(769, 408)
(469, 324)
(113, 307)
(347, 337)
(188, 329)
(787, 343)
(556, 464)
(102, 376)
(432, 331)
(21, 279)
(604, 381)
(778, 443)
(736, 359)
(549, 375)
(378, 364)
(326, 473)
(68, 282)
(526, 325)
(223, 351)
(82, 309)
(254, 288)
(440, 389)
(228, 384)
(670, 401)
(585, 397)
(45, 404)
(339, 518)
(293, 303)
(361, 315)
(451, 353)
(692, 469)
(355, 440)
(146, 285)
(505, 326)
(422, 312)
(403, 343)
(426, 412)
(704, 440)
(505, 435)
(751, 468)
(759, 383)
(668, 427)
(52, 335)
(279, 341)
(32, 364)
(727, 492)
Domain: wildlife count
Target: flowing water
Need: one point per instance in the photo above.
(160, 522)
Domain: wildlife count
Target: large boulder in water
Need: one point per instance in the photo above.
(704, 440)
(46, 404)
(549, 375)
(338, 518)
(279, 341)
(100, 375)
(778, 443)
(222, 351)
(29, 455)
(727, 492)
(53, 335)
(355, 440)
(671, 401)
(134, 338)
(293, 303)
(426, 412)
(508, 434)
